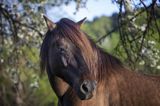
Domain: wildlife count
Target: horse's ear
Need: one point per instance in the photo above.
(50, 24)
(81, 21)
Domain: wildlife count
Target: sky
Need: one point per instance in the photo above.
(94, 8)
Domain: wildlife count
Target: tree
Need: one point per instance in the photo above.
(138, 27)
(21, 33)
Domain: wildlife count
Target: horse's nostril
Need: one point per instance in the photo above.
(85, 87)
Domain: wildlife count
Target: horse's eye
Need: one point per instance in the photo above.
(64, 61)
(64, 56)
(61, 50)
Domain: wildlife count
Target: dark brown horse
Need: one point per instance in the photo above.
(82, 74)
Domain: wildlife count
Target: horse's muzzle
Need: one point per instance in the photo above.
(86, 89)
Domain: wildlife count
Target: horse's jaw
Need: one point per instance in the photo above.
(60, 86)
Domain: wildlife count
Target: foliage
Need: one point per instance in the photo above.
(138, 28)
(21, 33)
(99, 27)
(140, 36)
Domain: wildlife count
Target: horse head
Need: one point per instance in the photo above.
(62, 55)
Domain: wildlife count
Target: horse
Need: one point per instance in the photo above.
(83, 74)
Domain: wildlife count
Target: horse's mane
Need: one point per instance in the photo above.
(98, 61)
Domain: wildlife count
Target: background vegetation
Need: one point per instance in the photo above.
(132, 35)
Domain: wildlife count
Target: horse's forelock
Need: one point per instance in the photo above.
(71, 31)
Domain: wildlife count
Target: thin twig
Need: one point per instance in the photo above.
(116, 28)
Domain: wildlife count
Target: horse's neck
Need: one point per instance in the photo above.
(130, 88)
